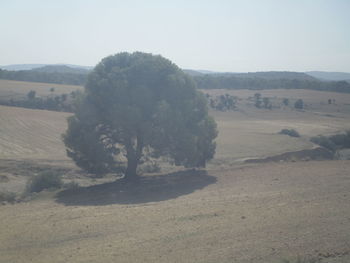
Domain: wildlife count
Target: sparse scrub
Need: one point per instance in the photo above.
(334, 142)
(324, 142)
(258, 102)
(299, 104)
(342, 140)
(267, 103)
(44, 180)
(71, 185)
(9, 197)
(290, 132)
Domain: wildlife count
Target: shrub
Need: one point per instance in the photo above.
(290, 132)
(44, 180)
(267, 103)
(334, 142)
(71, 185)
(342, 140)
(324, 142)
(9, 197)
(286, 102)
(299, 104)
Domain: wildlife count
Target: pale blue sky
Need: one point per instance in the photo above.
(221, 35)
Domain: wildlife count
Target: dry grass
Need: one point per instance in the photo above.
(19, 89)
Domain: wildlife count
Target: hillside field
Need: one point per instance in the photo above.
(232, 212)
(11, 89)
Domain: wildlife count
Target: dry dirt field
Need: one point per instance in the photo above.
(260, 213)
(233, 212)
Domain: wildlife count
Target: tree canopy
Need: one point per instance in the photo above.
(138, 106)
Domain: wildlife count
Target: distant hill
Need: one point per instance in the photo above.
(77, 75)
(253, 75)
(48, 74)
(324, 75)
(268, 80)
(274, 75)
(62, 69)
(192, 72)
(17, 67)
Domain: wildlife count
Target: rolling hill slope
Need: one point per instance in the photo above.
(31, 134)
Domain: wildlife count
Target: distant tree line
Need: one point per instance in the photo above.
(46, 77)
(253, 81)
(227, 81)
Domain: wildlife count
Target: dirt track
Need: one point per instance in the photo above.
(255, 213)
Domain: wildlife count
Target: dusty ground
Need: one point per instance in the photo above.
(234, 212)
(259, 213)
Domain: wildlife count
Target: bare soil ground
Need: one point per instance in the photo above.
(31, 134)
(257, 213)
(232, 212)
(250, 133)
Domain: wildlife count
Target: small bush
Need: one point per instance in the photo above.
(342, 140)
(290, 132)
(334, 142)
(324, 142)
(9, 197)
(44, 180)
(299, 104)
(71, 185)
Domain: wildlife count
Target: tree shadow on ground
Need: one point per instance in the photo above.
(146, 189)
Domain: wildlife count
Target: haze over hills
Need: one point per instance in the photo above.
(325, 75)
(62, 69)
(260, 74)
(77, 75)
(17, 67)
(309, 75)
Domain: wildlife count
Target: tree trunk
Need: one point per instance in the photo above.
(130, 173)
(133, 155)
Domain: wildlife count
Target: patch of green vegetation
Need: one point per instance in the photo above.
(334, 142)
(44, 180)
(71, 185)
(9, 197)
(290, 132)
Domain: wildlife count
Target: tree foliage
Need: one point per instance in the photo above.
(138, 106)
(223, 102)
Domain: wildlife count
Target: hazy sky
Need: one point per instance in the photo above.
(220, 35)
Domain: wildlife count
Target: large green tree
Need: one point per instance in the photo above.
(139, 105)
